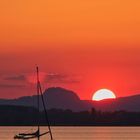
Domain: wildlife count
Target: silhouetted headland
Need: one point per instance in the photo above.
(60, 98)
(66, 108)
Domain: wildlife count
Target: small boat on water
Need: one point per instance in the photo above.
(37, 134)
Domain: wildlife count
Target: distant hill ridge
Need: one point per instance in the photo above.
(60, 98)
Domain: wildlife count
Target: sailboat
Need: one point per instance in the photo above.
(37, 134)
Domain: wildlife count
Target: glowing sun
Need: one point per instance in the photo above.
(103, 94)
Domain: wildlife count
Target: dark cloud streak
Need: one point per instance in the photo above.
(49, 78)
(16, 78)
(61, 78)
(11, 86)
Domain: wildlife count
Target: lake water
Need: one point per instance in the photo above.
(78, 133)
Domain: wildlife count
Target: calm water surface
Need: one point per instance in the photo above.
(78, 133)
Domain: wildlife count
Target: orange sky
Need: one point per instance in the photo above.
(86, 45)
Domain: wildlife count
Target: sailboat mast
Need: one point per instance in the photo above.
(46, 114)
(37, 70)
(39, 92)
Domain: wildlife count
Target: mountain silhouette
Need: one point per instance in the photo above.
(60, 98)
(129, 103)
(55, 97)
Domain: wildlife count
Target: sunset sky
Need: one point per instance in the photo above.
(81, 45)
